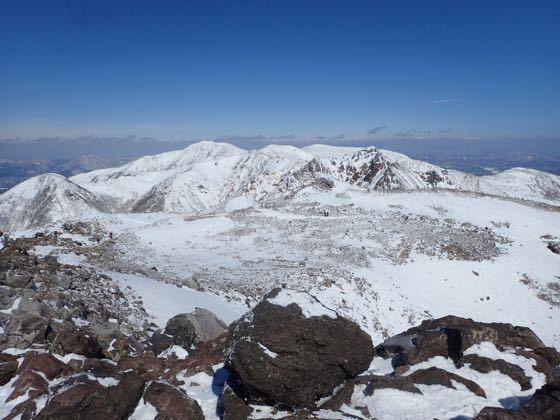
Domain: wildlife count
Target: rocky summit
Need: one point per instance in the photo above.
(65, 356)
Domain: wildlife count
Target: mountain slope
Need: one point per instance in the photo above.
(45, 199)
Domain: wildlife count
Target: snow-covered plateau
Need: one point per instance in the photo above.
(369, 235)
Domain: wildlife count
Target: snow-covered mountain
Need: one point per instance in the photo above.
(206, 176)
(44, 199)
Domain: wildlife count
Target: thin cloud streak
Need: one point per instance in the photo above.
(445, 100)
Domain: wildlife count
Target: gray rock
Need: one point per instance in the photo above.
(23, 330)
(160, 342)
(195, 327)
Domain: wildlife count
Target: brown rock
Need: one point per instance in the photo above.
(205, 355)
(437, 376)
(402, 383)
(44, 363)
(147, 365)
(8, 367)
(485, 365)
(171, 403)
(76, 341)
(81, 398)
(29, 381)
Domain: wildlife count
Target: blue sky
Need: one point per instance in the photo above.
(305, 69)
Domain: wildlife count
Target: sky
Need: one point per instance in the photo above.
(281, 70)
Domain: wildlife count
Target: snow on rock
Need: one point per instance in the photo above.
(308, 304)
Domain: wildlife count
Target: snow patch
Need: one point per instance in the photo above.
(309, 305)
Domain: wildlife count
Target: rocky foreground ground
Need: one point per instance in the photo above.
(75, 347)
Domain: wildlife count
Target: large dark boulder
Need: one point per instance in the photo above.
(291, 350)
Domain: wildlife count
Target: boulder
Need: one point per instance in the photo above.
(23, 330)
(147, 365)
(234, 408)
(486, 365)
(195, 327)
(69, 340)
(436, 376)
(44, 363)
(29, 382)
(206, 325)
(82, 398)
(160, 342)
(291, 350)
(182, 330)
(8, 367)
(172, 404)
(383, 382)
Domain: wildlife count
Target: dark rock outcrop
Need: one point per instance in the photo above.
(450, 336)
(283, 355)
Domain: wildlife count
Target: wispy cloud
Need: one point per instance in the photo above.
(445, 100)
(377, 129)
(413, 133)
(446, 131)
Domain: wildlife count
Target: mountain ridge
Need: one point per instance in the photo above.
(205, 176)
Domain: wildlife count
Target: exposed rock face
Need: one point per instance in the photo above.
(171, 403)
(450, 336)
(44, 363)
(292, 350)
